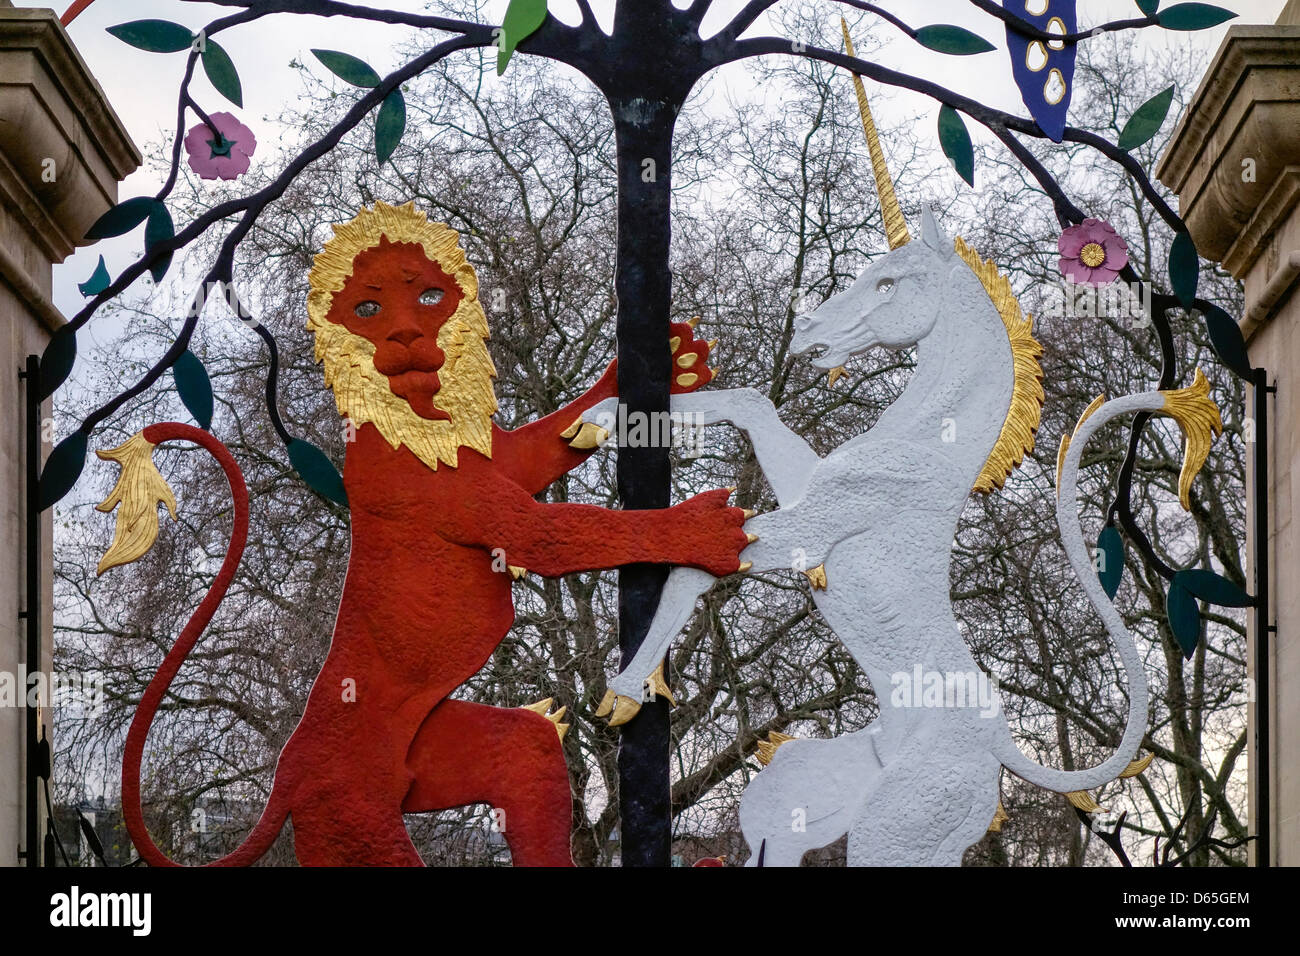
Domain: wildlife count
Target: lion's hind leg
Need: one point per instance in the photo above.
(509, 757)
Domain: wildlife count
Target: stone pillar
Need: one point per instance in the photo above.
(1234, 162)
(62, 153)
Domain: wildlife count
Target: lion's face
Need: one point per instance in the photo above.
(398, 300)
(395, 311)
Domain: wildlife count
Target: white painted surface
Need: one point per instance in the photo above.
(920, 784)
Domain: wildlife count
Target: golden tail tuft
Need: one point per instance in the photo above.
(1136, 767)
(1082, 800)
(1199, 418)
(139, 490)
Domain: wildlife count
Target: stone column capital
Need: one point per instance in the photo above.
(1233, 158)
(62, 148)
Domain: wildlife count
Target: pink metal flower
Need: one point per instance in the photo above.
(1092, 253)
(220, 157)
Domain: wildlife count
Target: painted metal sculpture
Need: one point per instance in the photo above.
(443, 518)
(877, 516)
(646, 64)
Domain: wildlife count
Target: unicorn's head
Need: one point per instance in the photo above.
(895, 302)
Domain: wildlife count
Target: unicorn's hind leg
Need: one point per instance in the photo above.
(929, 804)
(807, 797)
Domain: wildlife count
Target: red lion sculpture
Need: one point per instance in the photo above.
(443, 516)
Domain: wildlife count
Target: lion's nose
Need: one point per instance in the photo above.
(404, 336)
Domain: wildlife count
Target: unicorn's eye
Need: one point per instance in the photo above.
(431, 296)
(885, 286)
(367, 309)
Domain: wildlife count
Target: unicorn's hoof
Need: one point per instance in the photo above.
(617, 708)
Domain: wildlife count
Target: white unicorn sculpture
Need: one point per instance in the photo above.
(877, 516)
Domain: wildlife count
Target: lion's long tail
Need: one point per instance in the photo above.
(1200, 421)
(139, 490)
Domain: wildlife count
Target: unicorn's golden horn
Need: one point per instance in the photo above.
(895, 225)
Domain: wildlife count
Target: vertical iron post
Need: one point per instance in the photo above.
(1263, 629)
(31, 613)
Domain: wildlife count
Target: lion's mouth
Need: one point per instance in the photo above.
(419, 387)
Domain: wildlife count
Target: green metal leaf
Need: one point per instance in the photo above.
(348, 68)
(1184, 268)
(390, 123)
(1212, 587)
(1226, 337)
(159, 229)
(57, 360)
(1148, 6)
(1184, 617)
(62, 469)
(955, 140)
(523, 18)
(121, 219)
(1193, 16)
(317, 470)
(1146, 120)
(221, 72)
(958, 41)
(156, 36)
(195, 387)
(1110, 567)
(99, 281)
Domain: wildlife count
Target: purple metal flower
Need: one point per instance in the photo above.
(224, 156)
(1092, 253)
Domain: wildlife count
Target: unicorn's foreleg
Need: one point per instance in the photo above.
(676, 605)
(786, 459)
(781, 544)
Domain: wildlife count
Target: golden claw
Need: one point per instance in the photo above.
(542, 706)
(693, 321)
(572, 429)
(767, 748)
(749, 513)
(817, 577)
(751, 536)
(744, 566)
(589, 436)
(618, 708)
(658, 687)
(516, 572)
(711, 344)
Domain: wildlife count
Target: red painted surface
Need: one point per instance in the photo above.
(422, 610)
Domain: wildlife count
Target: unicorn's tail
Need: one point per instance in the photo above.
(1200, 421)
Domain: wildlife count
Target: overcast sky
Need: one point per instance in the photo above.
(142, 86)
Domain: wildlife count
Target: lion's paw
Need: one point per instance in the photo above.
(690, 357)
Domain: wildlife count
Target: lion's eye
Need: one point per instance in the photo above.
(367, 309)
(885, 286)
(431, 296)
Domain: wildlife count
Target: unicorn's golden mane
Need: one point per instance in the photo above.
(1021, 424)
